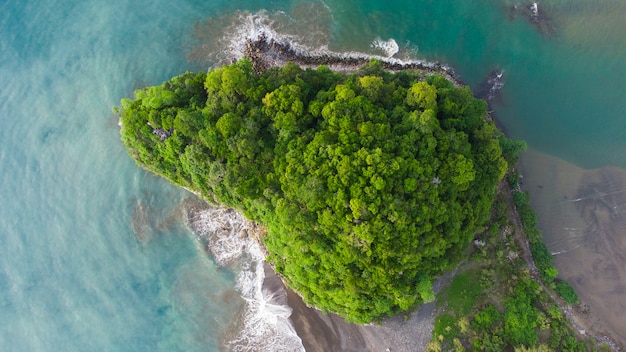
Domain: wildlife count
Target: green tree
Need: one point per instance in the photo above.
(423, 96)
(369, 184)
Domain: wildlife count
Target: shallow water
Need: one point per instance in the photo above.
(74, 275)
(95, 253)
(584, 223)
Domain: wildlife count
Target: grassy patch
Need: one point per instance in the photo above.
(495, 304)
(463, 292)
(445, 328)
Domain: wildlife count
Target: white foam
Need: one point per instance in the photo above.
(535, 9)
(247, 26)
(226, 233)
(265, 322)
(250, 26)
(389, 47)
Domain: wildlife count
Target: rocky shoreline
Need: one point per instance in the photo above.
(330, 332)
(267, 53)
(410, 332)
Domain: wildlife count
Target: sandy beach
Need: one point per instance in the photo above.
(330, 332)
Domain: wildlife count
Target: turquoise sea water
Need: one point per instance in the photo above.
(94, 252)
(73, 275)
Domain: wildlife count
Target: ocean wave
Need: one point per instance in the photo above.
(389, 47)
(265, 323)
(224, 40)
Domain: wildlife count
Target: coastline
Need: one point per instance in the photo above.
(320, 331)
(267, 53)
(330, 332)
(582, 320)
(405, 331)
(409, 331)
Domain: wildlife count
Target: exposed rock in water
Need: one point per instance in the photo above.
(537, 16)
(534, 12)
(141, 222)
(488, 89)
(267, 53)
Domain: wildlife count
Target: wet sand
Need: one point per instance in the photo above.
(330, 332)
(582, 214)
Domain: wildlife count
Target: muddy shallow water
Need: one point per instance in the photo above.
(582, 214)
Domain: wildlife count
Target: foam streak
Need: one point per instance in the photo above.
(265, 323)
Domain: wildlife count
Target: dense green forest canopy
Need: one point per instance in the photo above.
(369, 184)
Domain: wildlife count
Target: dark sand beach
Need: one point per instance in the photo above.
(330, 332)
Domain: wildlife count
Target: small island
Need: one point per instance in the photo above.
(369, 184)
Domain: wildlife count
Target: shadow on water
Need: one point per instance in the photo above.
(141, 221)
(582, 214)
(149, 219)
(539, 17)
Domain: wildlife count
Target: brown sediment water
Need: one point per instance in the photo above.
(582, 214)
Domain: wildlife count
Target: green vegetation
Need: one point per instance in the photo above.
(369, 184)
(495, 304)
(463, 291)
(541, 255)
(566, 291)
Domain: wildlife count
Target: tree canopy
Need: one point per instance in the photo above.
(369, 184)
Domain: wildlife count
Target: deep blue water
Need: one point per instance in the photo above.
(93, 252)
